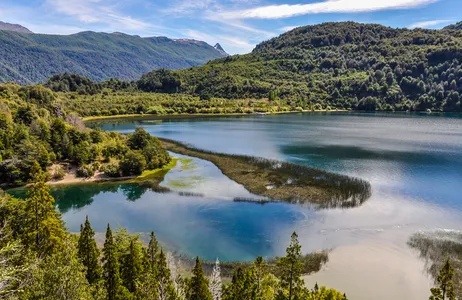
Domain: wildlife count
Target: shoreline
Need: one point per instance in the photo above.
(179, 116)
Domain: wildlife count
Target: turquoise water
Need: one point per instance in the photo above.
(413, 161)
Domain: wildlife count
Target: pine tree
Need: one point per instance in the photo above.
(88, 252)
(164, 280)
(111, 267)
(258, 275)
(215, 284)
(241, 286)
(198, 289)
(131, 268)
(291, 268)
(153, 251)
(44, 229)
(445, 290)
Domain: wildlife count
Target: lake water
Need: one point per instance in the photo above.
(413, 161)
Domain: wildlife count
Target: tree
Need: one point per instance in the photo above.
(131, 267)
(111, 274)
(88, 253)
(291, 267)
(133, 163)
(445, 290)
(152, 252)
(241, 286)
(44, 229)
(215, 284)
(198, 289)
(139, 139)
(60, 276)
(166, 290)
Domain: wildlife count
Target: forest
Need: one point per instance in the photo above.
(343, 65)
(36, 131)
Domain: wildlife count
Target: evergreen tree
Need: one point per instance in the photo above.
(198, 289)
(152, 252)
(215, 284)
(88, 252)
(131, 268)
(111, 267)
(59, 276)
(44, 229)
(241, 286)
(445, 290)
(166, 290)
(291, 268)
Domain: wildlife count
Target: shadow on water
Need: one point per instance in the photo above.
(354, 152)
(435, 247)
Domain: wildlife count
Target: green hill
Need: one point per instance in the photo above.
(32, 58)
(343, 65)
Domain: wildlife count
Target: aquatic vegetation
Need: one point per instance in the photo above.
(436, 247)
(289, 182)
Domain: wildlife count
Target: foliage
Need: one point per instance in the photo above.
(445, 290)
(198, 287)
(343, 65)
(88, 253)
(34, 128)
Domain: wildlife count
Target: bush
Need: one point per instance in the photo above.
(85, 171)
(111, 170)
(133, 163)
(57, 172)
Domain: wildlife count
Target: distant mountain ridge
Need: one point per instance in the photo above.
(29, 58)
(14, 27)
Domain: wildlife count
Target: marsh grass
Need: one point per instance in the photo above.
(312, 263)
(435, 247)
(290, 182)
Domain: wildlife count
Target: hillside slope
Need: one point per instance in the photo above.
(33, 58)
(342, 65)
(14, 27)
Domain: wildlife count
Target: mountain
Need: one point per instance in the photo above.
(14, 27)
(343, 65)
(33, 58)
(457, 26)
(219, 48)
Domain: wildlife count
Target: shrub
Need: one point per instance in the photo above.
(111, 170)
(85, 171)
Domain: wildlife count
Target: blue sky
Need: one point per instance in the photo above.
(238, 25)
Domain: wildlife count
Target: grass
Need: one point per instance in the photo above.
(289, 182)
(435, 247)
(158, 173)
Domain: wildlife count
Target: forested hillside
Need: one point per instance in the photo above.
(37, 134)
(341, 65)
(32, 58)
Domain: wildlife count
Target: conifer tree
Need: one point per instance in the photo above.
(153, 251)
(291, 268)
(445, 290)
(166, 291)
(131, 268)
(88, 252)
(198, 289)
(241, 286)
(215, 284)
(44, 229)
(111, 267)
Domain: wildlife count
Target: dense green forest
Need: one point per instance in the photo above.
(29, 58)
(341, 65)
(36, 131)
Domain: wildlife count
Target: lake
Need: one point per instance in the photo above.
(413, 161)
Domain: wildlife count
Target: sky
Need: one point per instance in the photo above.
(238, 25)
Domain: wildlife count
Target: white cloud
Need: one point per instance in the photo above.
(231, 44)
(328, 6)
(426, 24)
(96, 11)
(288, 28)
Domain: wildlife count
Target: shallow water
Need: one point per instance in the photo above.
(413, 161)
